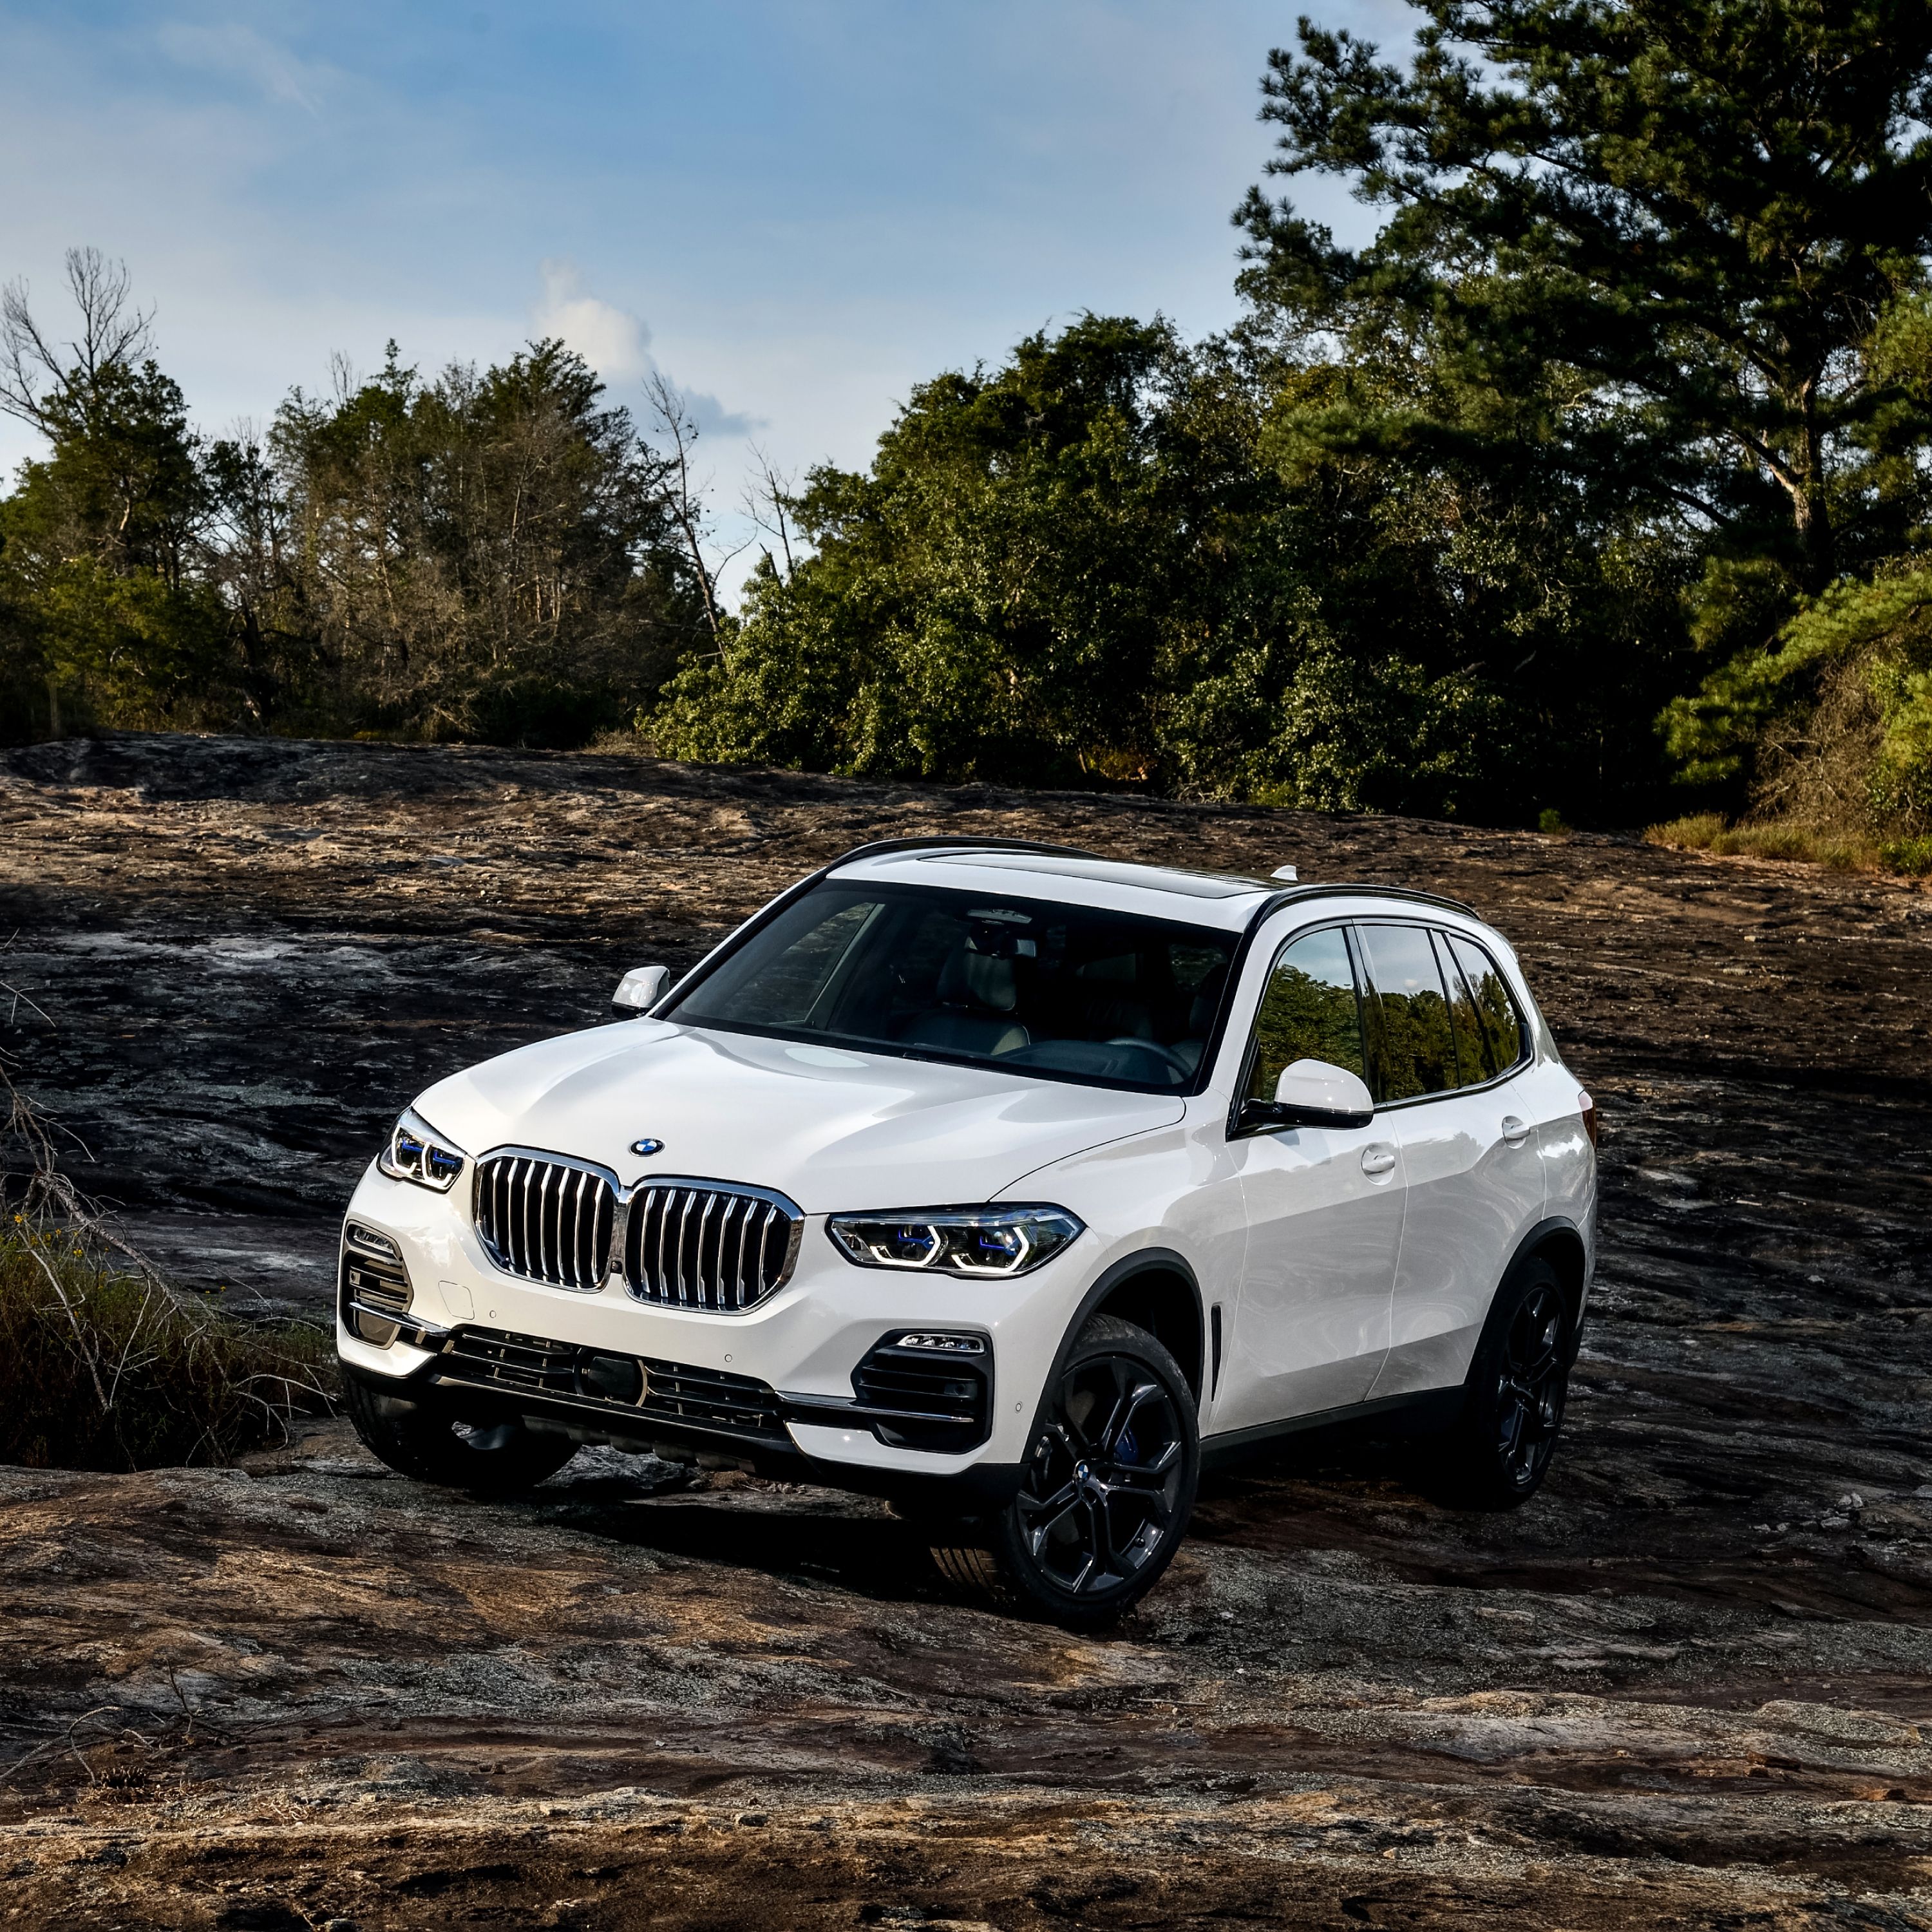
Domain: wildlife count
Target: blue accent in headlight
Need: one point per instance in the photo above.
(986, 1243)
(416, 1152)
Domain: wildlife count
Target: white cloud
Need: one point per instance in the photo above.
(614, 342)
(712, 418)
(237, 51)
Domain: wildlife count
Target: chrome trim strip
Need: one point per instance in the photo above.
(410, 1328)
(828, 1411)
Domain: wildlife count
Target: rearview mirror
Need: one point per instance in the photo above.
(640, 989)
(1311, 1093)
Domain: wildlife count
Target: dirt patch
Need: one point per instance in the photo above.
(1689, 1681)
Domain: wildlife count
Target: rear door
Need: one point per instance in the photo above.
(1324, 1208)
(1446, 1048)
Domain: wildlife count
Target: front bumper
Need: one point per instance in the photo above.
(811, 1379)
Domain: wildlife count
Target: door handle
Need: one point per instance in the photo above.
(1377, 1159)
(1515, 1132)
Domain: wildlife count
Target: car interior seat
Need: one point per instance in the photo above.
(977, 993)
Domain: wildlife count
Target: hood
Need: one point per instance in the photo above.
(836, 1130)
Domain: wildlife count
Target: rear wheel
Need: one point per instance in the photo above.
(487, 1460)
(1105, 1495)
(1499, 1452)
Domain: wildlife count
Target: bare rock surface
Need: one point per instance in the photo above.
(1688, 1686)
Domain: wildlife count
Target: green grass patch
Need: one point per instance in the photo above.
(1912, 856)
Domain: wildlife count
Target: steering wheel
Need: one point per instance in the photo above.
(1171, 1061)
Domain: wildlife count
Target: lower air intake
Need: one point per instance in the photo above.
(374, 1285)
(672, 1394)
(923, 1397)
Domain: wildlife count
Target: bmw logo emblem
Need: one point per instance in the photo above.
(647, 1146)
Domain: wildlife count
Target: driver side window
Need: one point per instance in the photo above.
(1308, 1011)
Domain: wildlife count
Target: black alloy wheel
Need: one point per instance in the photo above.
(1530, 1390)
(1104, 1496)
(1518, 1383)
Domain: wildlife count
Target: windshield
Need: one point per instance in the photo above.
(1105, 998)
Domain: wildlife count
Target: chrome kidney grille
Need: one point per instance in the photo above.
(708, 1245)
(546, 1219)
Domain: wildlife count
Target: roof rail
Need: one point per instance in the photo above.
(1326, 888)
(882, 845)
(1331, 888)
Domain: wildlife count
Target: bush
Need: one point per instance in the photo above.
(1907, 855)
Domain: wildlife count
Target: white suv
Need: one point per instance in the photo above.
(1012, 1183)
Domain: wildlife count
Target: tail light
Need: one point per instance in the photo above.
(1587, 1108)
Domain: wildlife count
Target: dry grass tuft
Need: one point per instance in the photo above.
(1840, 852)
(105, 1366)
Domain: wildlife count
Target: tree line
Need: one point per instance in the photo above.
(1598, 479)
(489, 555)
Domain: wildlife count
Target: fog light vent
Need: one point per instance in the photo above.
(375, 1285)
(928, 1390)
(371, 1243)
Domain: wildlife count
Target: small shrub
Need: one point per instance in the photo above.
(1551, 820)
(1912, 856)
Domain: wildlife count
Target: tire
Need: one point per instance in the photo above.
(1105, 1495)
(416, 1442)
(1499, 1451)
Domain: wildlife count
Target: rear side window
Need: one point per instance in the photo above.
(1473, 1061)
(1309, 1011)
(1494, 1020)
(1411, 1048)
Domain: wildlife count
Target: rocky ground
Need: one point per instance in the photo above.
(1688, 1685)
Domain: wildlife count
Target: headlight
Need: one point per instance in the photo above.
(988, 1242)
(417, 1152)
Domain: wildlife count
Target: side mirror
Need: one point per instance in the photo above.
(1311, 1093)
(641, 988)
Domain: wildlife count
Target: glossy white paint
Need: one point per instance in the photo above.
(1314, 1083)
(1324, 1207)
(1470, 1194)
(1344, 1261)
(834, 1130)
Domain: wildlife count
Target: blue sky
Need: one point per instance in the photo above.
(795, 208)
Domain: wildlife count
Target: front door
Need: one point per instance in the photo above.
(1324, 1208)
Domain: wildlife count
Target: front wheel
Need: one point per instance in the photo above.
(486, 1459)
(1105, 1495)
(1518, 1381)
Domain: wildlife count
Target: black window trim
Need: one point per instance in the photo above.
(1343, 925)
(1525, 1048)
